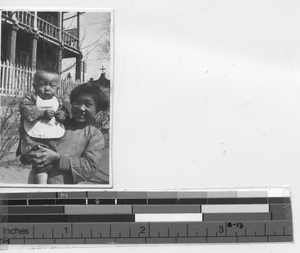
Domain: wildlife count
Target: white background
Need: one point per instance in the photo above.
(206, 94)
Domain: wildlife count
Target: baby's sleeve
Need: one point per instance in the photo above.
(28, 108)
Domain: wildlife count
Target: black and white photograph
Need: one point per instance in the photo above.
(56, 78)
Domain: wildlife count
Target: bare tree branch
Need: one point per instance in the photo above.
(9, 127)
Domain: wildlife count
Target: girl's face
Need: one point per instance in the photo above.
(84, 108)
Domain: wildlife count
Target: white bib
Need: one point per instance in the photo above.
(45, 129)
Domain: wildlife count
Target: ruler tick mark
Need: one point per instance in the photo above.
(187, 230)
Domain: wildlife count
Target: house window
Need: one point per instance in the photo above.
(24, 58)
(51, 19)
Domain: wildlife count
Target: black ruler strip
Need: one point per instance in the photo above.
(70, 198)
(67, 218)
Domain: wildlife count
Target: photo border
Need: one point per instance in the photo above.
(111, 105)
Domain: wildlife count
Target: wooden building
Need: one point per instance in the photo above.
(37, 40)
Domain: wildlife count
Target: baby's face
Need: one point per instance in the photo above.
(45, 85)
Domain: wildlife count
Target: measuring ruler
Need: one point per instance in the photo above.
(139, 217)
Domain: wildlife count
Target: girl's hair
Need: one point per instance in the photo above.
(101, 100)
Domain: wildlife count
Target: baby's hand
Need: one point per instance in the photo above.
(49, 114)
(61, 116)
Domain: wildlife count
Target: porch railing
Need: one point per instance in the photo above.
(27, 19)
(48, 29)
(70, 40)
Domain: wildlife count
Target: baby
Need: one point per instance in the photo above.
(42, 116)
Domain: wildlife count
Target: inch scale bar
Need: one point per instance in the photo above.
(146, 217)
(147, 232)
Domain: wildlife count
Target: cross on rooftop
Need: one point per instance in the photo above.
(103, 69)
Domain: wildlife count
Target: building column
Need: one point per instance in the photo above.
(78, 29)
(59, 59)
(78, 67)
(60, 21)
(35, 27)
(33, 51)
(12, 42)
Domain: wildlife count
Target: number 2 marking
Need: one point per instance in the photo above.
(142, 230)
